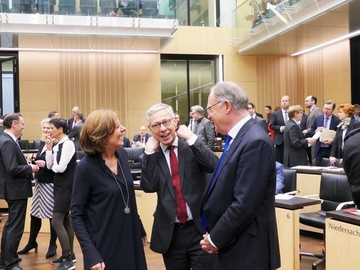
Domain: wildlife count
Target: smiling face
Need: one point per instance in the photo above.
(162, 127)
(55, 133)
(116, 139)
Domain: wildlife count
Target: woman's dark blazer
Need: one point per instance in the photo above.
(337, 145)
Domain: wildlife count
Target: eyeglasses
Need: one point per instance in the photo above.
(209, 109)
(165, 123)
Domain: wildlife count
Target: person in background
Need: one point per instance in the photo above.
(310, 103)
(204, 128)
(127, 143)
(348, 123)
(325, 121)
(177, 120)
(258, 119)
(74, 134)
(357, 112)
(42, 202)
(71, 120)
(351, 156)
(238, 209)
(280, 180)
(104, 191)
(141, 139)
(15, 187)
(175, 165)
(53, 114)
(277, 124)
(295, 143)
(61, 158)
(268, 113)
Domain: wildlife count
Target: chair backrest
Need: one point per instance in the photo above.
(334, 189)
(134, 157)
(24, 144)
(289, 180)
(36, 144)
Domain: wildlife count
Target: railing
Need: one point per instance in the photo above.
(259, 20)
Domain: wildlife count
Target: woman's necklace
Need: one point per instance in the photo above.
(126, 203)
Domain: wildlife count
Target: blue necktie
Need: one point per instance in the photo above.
(212, 181)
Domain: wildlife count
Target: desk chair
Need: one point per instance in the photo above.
(335, 195)
(135, 162)
(24, 144)
(289, 180)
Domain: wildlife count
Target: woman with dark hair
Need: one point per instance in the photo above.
(61, 158)
(348, 123)
(42, 202)
(103, 207)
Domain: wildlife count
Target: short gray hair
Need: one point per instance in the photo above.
(157, 107)
(198, 109)
(232, 92)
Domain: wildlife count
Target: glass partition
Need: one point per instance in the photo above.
(188, 12)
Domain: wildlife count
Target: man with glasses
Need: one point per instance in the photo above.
(15, 187)
(327, 120)
(204, 128)
(238, 209)
(175, 165)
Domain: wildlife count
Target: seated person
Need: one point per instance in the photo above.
(279, 178)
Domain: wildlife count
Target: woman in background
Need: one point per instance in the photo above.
(61, 158)
(348, 123)
(103, 209)
(43, 198)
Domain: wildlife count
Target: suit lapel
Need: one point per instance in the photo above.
(166, 171)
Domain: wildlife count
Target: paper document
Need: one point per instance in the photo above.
(317, 135)
(327, 134)
(284, 196)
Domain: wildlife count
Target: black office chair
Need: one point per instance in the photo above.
(335, 195)
(289, 180)
(24, 144)
(134, 161)
(36, 144)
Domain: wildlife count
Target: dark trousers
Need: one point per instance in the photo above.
(279, 149)
(185, 252)
(12, 232)
(324, 152)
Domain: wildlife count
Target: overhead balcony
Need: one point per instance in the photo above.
(282, 27)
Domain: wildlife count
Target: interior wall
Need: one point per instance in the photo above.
(130, 83)
(127, 83)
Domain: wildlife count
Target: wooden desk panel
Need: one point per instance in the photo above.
(342, 245)
(146, 205)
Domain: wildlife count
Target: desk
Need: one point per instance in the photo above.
(342, 241)
(287, 217)
(146, 204)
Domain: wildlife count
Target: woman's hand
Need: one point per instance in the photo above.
(99, 266)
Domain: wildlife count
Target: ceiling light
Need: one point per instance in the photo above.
(327, 43)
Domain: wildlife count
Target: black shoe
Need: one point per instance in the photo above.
(51, 251)
(28, 247)
(66, 265)
(61, 259)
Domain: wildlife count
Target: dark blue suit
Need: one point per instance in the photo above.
(15, 188)
(322, 151)
(240, 207)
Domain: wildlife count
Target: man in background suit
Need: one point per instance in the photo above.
(259, 120)
(141, 139)
(277, 123)
(310, 103)
(176, 236)
(322, 149)
(204, 128)
(238, 209)
(71, 120)
(15, 187)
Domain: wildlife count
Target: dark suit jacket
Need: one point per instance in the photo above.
(194, 162)
(336, 148)
(276, 121)
(351, 163)
(137, 137)
(319, 122)
(15, 172)
(74, 135)
(295, 145)
(240, 208)
(205, 130)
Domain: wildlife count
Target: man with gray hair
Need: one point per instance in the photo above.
(238, 209)
(174, 165)
(204, 128)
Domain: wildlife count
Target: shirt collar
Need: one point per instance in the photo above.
(175, 143)
(235, 129)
